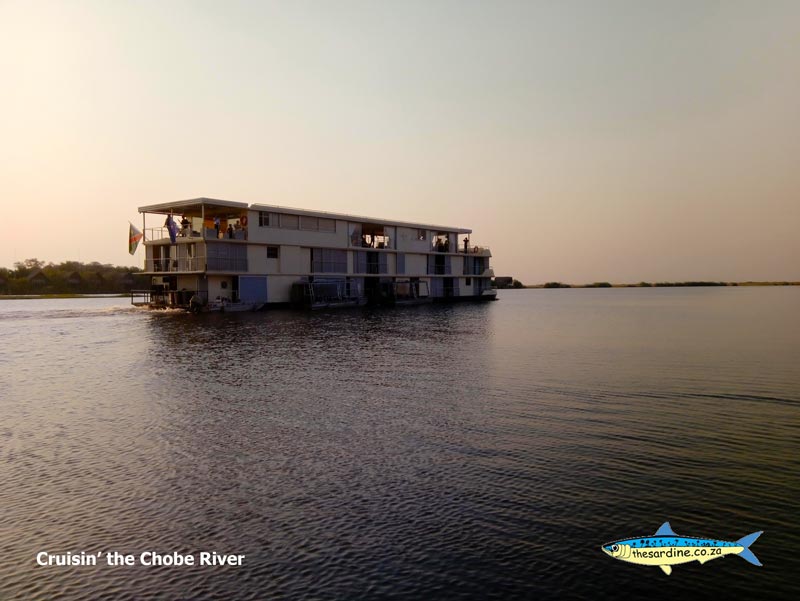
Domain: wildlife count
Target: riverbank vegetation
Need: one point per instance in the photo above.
(35, 277)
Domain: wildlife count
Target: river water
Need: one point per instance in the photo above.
(449, 452)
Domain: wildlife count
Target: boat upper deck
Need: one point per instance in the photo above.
(201, 223)
(212, 207)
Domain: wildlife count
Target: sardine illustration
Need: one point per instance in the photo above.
(666, 549)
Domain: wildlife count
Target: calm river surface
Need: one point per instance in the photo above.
(449, 452)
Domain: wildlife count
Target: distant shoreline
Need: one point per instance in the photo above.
(46, 296)
(687, 284)
(548, 286)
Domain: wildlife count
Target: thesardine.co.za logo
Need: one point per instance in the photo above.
(666, 549)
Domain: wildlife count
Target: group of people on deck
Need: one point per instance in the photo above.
(236, 230)
(443, 245)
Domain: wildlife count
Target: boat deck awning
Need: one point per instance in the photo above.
(196, 207)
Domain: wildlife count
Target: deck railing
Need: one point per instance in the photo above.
(470, 249)
(162, 233)
(175, 265)
(474, 249)
(194, 264)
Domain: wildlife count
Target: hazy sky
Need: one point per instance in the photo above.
(582, 141)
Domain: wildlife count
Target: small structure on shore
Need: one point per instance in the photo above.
(38, 278)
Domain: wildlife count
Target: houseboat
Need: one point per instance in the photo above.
(207, 255)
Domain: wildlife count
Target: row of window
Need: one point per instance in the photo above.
(379, 237)
(288, 221)
(330, 260)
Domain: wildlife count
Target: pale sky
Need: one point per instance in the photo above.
(581, 141)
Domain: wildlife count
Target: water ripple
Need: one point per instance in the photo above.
(437, 452)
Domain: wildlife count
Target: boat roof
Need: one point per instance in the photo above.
(358, 218)
(192, 206)
(219, 207)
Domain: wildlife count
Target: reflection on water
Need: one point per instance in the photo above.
(475, 451)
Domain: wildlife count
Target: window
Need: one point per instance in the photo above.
(223, 256)
(354, 230)
(308, 223)
(328, 260)
(468, 282)
(473, 265)
(388, 236)
(327, 225)
(370, 262)
(401, 263)
(289, 222)
(272, 252)
(263, 219)
(421, 235)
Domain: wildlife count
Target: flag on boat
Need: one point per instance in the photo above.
(134, 237)
(172, 228)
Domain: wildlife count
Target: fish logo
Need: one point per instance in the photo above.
(666, 549)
